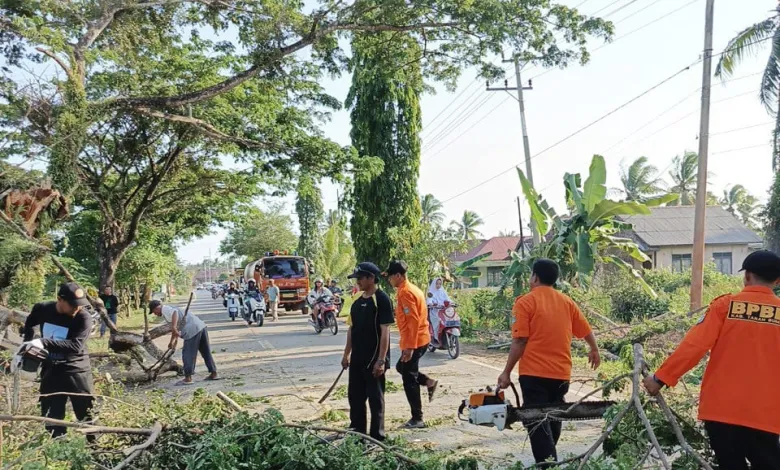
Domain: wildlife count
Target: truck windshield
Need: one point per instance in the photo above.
(284, 268)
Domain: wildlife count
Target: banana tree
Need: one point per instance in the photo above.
(588, 235)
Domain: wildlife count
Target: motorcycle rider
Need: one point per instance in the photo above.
(319, 292)
(232, 289)
(334, 287)
(251, 292)
(436, 298)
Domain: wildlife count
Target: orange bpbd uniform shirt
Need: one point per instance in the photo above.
(549, 319)
(411, 316)
(742, 379)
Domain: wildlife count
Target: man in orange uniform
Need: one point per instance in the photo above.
(545, 321)
(411, 315)
(739, 393)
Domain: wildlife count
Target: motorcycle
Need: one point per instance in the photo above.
(327, 315)
(234, 306)
(215, 293)
(337, 300)
(254, 309)
(448, 334)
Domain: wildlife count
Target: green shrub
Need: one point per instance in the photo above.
(630, 303)
(483, 309)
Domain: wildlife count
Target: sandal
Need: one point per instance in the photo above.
(182, 383)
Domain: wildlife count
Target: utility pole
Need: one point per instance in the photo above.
(522, 238)
(526, 145)
(697, 267)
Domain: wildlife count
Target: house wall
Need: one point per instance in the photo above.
(466, 282)
(662, 259)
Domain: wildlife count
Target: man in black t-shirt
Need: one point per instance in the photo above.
(112, 307)
(367, 353)
(64, 328)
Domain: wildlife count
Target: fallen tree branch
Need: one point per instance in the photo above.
(362, 436)
(229, 402)
(640, 361)
(81, 427)
(135, 451)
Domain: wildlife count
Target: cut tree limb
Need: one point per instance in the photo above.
(135, 451)
(229, 402)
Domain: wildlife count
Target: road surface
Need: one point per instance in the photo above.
(292, 367)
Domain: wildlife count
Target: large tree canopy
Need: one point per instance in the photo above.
(259, 231)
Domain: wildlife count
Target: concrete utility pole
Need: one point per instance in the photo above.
(697, 267)
(526, 145)
(522, 238)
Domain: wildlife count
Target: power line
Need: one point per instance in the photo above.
(478, 101)
(738, 129)
(470, 127)
(580, 130)
(425, 128)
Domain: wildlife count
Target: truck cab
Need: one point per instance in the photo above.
(290, 273)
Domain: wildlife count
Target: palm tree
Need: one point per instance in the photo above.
(733, 197)
(467, 227)
(684, 174)
(640, 180)
(431, 210)
(747, 42)
(508, 233)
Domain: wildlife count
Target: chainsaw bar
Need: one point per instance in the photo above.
(586, 410)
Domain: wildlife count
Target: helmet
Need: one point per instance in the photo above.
(251, 281)
(319, 280)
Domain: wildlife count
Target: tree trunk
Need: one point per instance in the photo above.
(137, 296)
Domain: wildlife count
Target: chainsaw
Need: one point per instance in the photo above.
(491, 408)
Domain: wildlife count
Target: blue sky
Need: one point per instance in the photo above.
(468, 140)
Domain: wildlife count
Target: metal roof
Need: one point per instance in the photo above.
(498, 246)
(673, 226)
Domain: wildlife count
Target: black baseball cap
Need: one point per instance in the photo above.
(154, 304)
(396, 267)
(365, 268)
(763, 264)
(73, 294)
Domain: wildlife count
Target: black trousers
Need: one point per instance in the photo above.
(54, 380)
(413, 379)
(543, 434)
(735, 445)
(364, 386)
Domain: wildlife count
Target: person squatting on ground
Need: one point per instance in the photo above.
(739, 392)
(195, 334)
(411, 314)
(64, 328)
(545, 321)
(367, 353)
(111, 303)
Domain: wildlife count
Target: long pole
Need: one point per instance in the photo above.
(697, 268)
(526, 144)
(522, 238)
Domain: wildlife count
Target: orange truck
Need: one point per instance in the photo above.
(290, 273)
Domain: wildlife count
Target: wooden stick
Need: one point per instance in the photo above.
(135, 451)
(676, 428)
(229, 402)
(639, 359)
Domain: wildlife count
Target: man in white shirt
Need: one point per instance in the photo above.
(195, 334)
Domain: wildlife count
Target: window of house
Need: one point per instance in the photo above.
(723, 262)
(494, 276)
(681, 263)
(474, 282)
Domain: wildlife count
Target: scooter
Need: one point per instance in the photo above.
(327, 315)
(254, 310)
(448, 334)
(234, 306)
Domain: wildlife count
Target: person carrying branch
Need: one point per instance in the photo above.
(66, 373)
(738, 394)
(545, 321)
(195, 334)
(367, 353)
(411, 314)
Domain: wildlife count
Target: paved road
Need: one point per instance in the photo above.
(292, 366)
